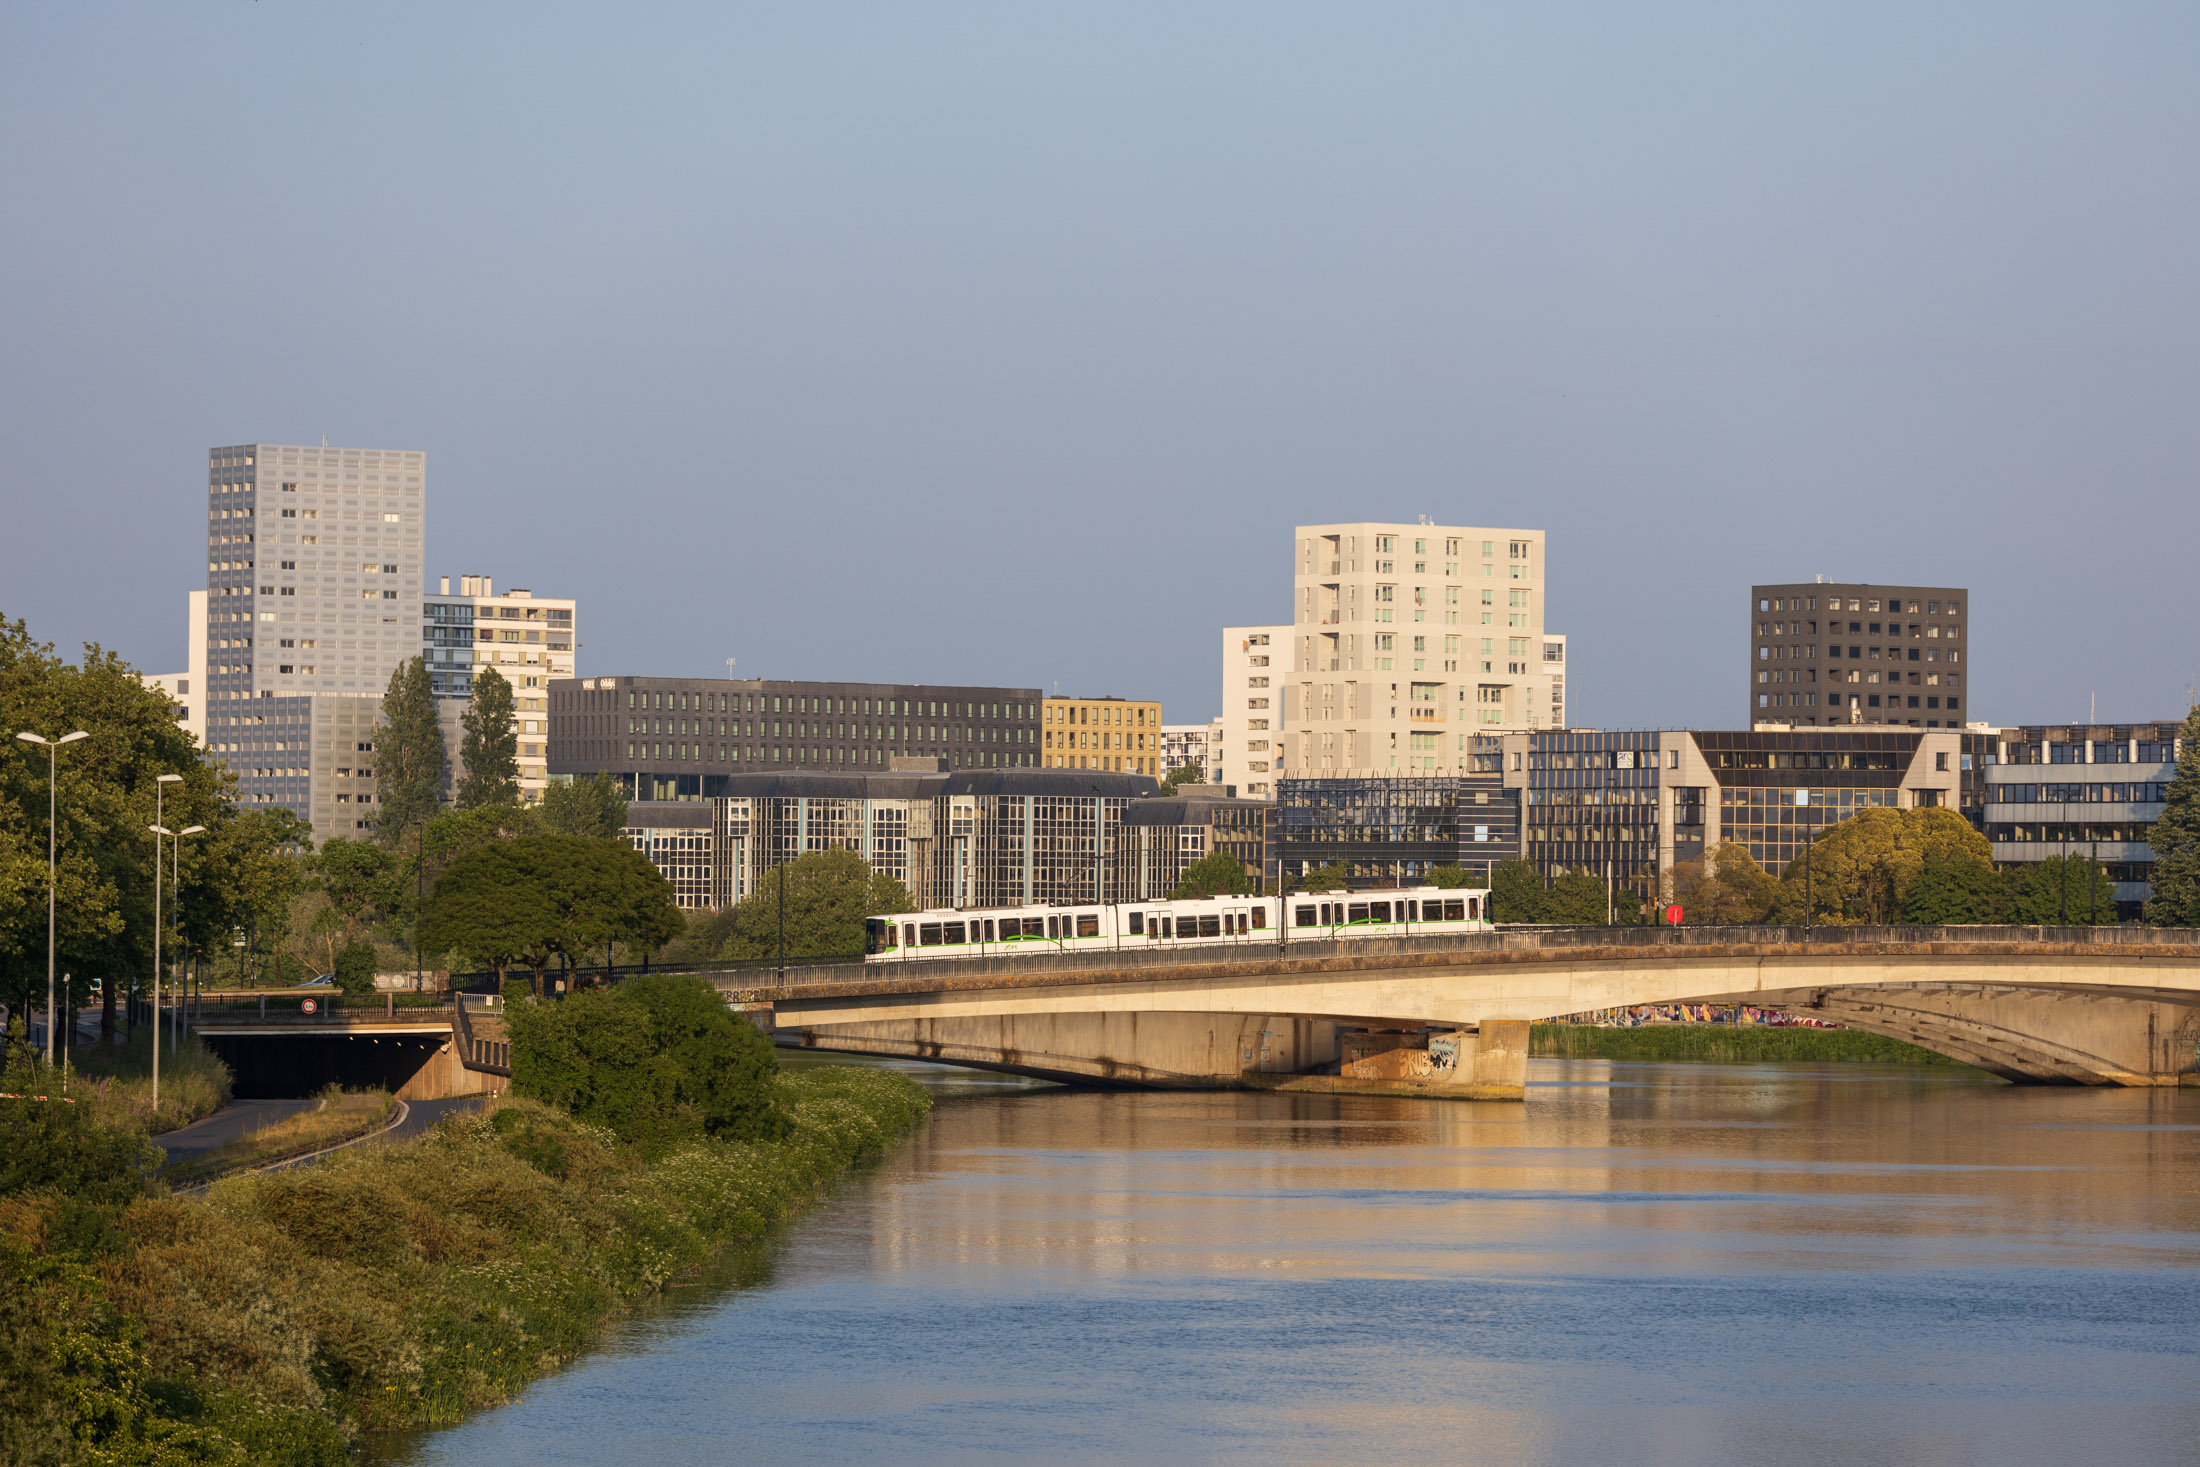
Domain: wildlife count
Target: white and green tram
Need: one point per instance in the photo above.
(1203, 922)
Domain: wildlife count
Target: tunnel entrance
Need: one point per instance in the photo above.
(282, 1066)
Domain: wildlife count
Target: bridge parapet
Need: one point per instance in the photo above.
(1511, 945)
(2095, 1005)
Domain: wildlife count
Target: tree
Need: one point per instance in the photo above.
(519, 902)
(829, 893)
(354, 969)
(1581, 896)
(1960, 891)
(1335, 876)
(106, 798)
(1218, 873)
(591, 806)
(1182, 775)
(1726, 887)
(1452, 876)
(410, 763)
(489, 910)
(1516, 893)
(489, 752)
(363, 884)
(2071, 890)
(1860, 869)
(658, 1060)
(2175, 837)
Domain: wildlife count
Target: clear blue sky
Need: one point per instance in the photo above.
(1006, 342)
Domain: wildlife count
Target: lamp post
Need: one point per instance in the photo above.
(53, 747)
(175, 839)
(160, 790)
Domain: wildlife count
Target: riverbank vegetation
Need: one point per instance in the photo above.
(115, 1081)
(1724, 1044)
(283, 1313)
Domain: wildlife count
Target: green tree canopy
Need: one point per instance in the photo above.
(1218, 873)
(1860, 869)
(1516, 893)
(1183, 774)
(1964, 890)
(591, 806)
(363, 883)
(519, 902)
(1726, 887)
(2175, 838)
(1336, 876)
(658, 1060)
(1582, 896)
(829, 893)
(2072, 890)
(104, 798)
(410, 763)
(1452, 875)
(488, 752)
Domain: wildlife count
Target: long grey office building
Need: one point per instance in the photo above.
(666, 738)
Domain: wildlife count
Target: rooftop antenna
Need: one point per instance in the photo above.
(729, 669)
(324, 440)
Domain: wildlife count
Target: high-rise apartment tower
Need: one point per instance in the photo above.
(1825, 652)
(313, 573)
(1409, 640)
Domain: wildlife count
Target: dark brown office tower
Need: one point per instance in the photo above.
(1824, 652)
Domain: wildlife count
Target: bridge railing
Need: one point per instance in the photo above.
(1647, 941)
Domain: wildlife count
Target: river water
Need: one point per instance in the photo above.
(1643, 1264)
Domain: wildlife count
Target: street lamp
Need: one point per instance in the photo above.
(52, 750)
(175, 839)
(160, 790)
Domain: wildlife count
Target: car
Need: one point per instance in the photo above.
(326, 980)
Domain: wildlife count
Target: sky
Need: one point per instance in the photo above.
(1006, 343)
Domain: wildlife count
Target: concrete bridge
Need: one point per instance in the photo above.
(276, 1047)
(1450, 1015)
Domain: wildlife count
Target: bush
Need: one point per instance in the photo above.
(658, 1060)
(59, 1145)
(355, 970)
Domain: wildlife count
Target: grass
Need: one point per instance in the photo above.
(282, 1314)
(340, 1117)
(1725, 1044)
(115, 1082)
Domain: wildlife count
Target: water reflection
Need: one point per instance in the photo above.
(1680, 1263)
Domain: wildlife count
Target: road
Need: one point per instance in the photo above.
(237, 1119)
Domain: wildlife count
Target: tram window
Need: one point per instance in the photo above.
(1167, 925)
(1051, 931)
(931, 934)
(1356, 912)
(1260, 917)
(1380, 911)
(1138, 924)
(1088, 924)
(1451, 909)
(989, 931)
(1303, 916)
(1208, 926)
(1412, 911)
(954, 932)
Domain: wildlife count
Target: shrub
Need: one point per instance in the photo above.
(657, 1060)
(62, 1146)
(355, 970)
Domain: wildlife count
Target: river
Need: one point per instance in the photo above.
(1643, 1264)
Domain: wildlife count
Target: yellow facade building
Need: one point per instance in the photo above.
(1114, 734)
